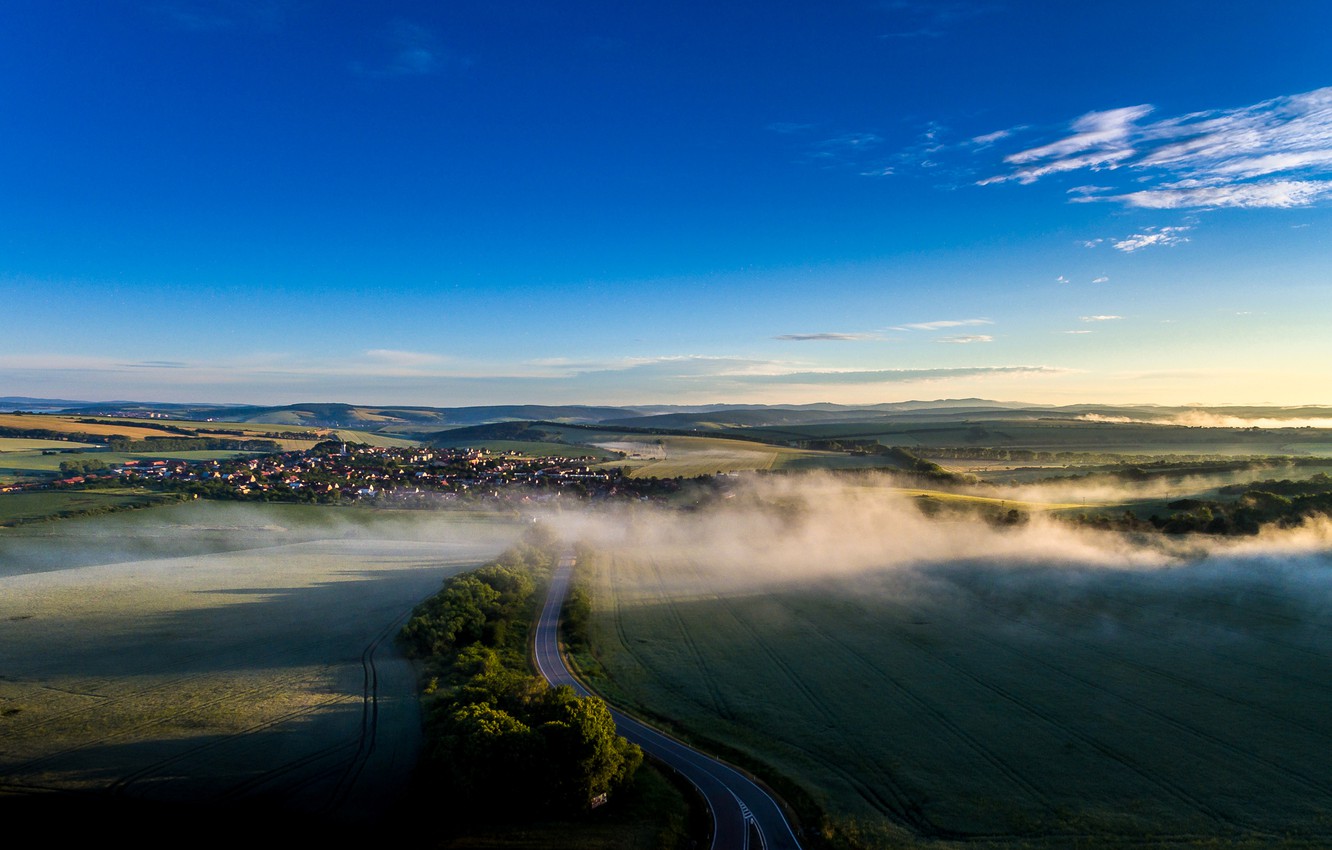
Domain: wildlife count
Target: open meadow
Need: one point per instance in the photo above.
(220, 654)
(951, 683)
(687, 457)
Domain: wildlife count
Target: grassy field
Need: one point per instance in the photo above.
(221, 655)
(1000, 704)
(70, 424)
(1072, 435)
(688, 457)
(139, 429)
(22, 444)
(21, 507)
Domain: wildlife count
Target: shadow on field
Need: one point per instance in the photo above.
(63, 819)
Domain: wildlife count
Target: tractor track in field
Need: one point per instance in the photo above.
(937, 715)
(1258, 636)
(1299, 777)
(369, 731)
(110, 701)
(1170, 788)
(1170, 676)
(898, 802)
(903, 803)
(1182, 681)
(715, 692)
(347, 768)
(122, 786)
(138, 728)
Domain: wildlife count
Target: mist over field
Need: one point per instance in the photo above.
(816, 532)
(778, 529)
(946, 677)
(225, 655)
(920, 676)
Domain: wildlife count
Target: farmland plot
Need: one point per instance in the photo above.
(1002, 705)
(264, 673)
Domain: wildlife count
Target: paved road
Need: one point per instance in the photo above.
(743, 814)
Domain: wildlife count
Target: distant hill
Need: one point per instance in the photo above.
(11, 403)
(362, 417)
(422, 421)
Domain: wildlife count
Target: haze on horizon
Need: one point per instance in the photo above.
(478, 203)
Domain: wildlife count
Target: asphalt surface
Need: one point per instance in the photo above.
(743, 814)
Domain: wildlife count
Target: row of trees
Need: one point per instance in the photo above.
(178, 444)
(497, 736)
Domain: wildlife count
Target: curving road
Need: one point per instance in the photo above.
(743, 814)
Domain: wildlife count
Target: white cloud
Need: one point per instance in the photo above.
(1106, 129)
(946, 323)
(887, 376)
(1100, 318)
(1158, 236)
(966, 339)
(991, 138)
(1077, 332)
(1272, 194)
(825, 337)
(404, 359)
(1273, 154)
(1101, 279)
(1061, 279)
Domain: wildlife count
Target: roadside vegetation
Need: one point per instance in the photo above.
(499, 739)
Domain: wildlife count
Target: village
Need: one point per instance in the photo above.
(337, 472)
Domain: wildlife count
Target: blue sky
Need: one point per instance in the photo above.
(494, 202)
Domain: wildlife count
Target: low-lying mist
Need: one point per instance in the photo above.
(775, 530)
(205, 527)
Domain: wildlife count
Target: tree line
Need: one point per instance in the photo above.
(499, 738)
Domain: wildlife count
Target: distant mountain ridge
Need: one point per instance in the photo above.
(409, 420)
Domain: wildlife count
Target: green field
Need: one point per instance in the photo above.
(1068, 435)
(219, 655)
(670, 456)
(23, 444)
(999, 704)
(41, 504)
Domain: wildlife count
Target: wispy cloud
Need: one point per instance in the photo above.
(990, 138)
(408, 50)
(382, 375)
(846, 149)
(911, 19)
(895, 376)
(965, 339)
(1100, 318)
(825, 337)
(404, 359)
(1273, 154)
(940, 325)
(1150, 236)
(1101, 279)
